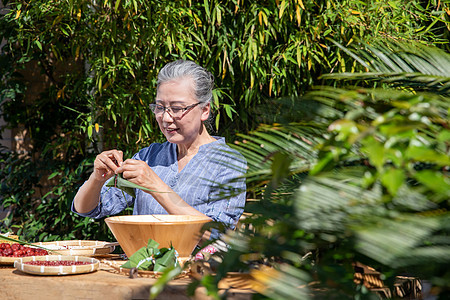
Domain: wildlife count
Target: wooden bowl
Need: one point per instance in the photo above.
(132, 232)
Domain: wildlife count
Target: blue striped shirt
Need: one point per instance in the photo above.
(209, 182)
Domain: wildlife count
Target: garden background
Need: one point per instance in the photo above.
(340, 107)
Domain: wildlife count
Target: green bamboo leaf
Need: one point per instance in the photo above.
(152, 246)
(116, 7)
(128, 187)
(206, 5)
(168, 260)
(64, 31)
(39, 44)
(150, 258)
(54, 174)
(120, 183)
(282, 8)
(138, 259)
(229, 110)
(217, 120)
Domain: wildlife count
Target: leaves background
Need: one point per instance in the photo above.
(97, 64)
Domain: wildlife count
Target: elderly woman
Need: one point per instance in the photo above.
(191, 173)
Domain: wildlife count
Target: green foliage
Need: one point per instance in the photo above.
(255, 49)
(370, 185)
(48, 218)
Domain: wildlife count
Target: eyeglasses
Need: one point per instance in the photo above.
(173, 111)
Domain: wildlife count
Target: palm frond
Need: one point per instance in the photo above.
(402, 65)
(286, 283)
(260, 147)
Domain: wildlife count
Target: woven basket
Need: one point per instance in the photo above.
(91, 266)
(79, 247)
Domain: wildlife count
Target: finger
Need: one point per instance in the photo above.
(132, 168)
(125, 166)
(131, 161)
(108, 161)
(102, 168)
(118, 156)
(128, 175)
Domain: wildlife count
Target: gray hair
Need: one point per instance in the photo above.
(203, 79)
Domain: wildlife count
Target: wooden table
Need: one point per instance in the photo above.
(106, 283)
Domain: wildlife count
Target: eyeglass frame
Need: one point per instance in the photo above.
(167, 109)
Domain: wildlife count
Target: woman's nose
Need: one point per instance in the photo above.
(166, 116)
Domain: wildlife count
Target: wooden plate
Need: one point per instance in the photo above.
(21, 265)
(79, 247)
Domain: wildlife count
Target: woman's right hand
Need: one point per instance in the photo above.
(88, 196)
(106, 163)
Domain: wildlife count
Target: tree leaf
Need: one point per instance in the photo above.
(161, 282)
(393, 179)
(425, 154)
(434, 180)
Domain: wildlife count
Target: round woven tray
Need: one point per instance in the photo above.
(20, 264)
(8, 260)
(79, 247)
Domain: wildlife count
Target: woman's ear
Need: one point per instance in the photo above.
(206, 110)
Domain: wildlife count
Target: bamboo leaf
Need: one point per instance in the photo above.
(116, 7)
(282, 8)
(128, 187)
(39, 44)
(166, 261)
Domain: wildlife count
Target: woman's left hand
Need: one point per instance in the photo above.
(139, 172)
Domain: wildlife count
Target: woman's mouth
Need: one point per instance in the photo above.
(171, 130)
